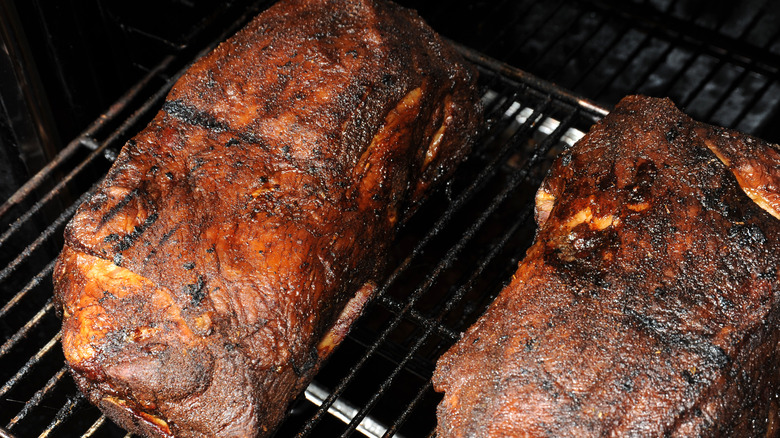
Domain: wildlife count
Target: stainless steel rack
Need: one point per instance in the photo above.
(464, 243)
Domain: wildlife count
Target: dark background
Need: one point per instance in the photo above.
(66, 62)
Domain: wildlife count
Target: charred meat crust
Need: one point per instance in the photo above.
(237, 237)
(649, 302)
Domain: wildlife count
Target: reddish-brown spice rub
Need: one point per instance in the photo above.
(237, 237)
(649, 302)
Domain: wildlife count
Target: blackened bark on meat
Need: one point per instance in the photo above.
(239, 235)
(649, 303)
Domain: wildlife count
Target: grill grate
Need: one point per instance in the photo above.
(718, 60)
(464, 243)
(450, 259)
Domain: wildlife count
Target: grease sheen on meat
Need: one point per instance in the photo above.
(237, 237)
(648, 304)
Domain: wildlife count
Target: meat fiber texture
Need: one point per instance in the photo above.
(648, 304)
(237, 237)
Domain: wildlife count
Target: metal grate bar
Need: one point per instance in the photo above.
(445, 262)
(396, 307)
(44, 274)
(450, 303)
(546, 88)
(45, 235)
(549, 44)
(496, 121)
(498, 106)
(113, 112)
(605, 18)
(393, 351)
(498, 35)
(735, 82)
(64, 413)
(753, 102)
(39, 395)
(713, 43)
(647, 38)
(344, 411)
(25, 330)
(598, 60)
(24, 218)
(29, 365)
(708, 78)
(152, 36)
(95, 426)
(391, 431)
(435, 229)
(676, 43)
(539, 25)
(433, 324)
(449, 258)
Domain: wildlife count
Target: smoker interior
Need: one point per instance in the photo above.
(719, 62)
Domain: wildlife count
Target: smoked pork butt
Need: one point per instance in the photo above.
(649, 303)
(237, 237)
